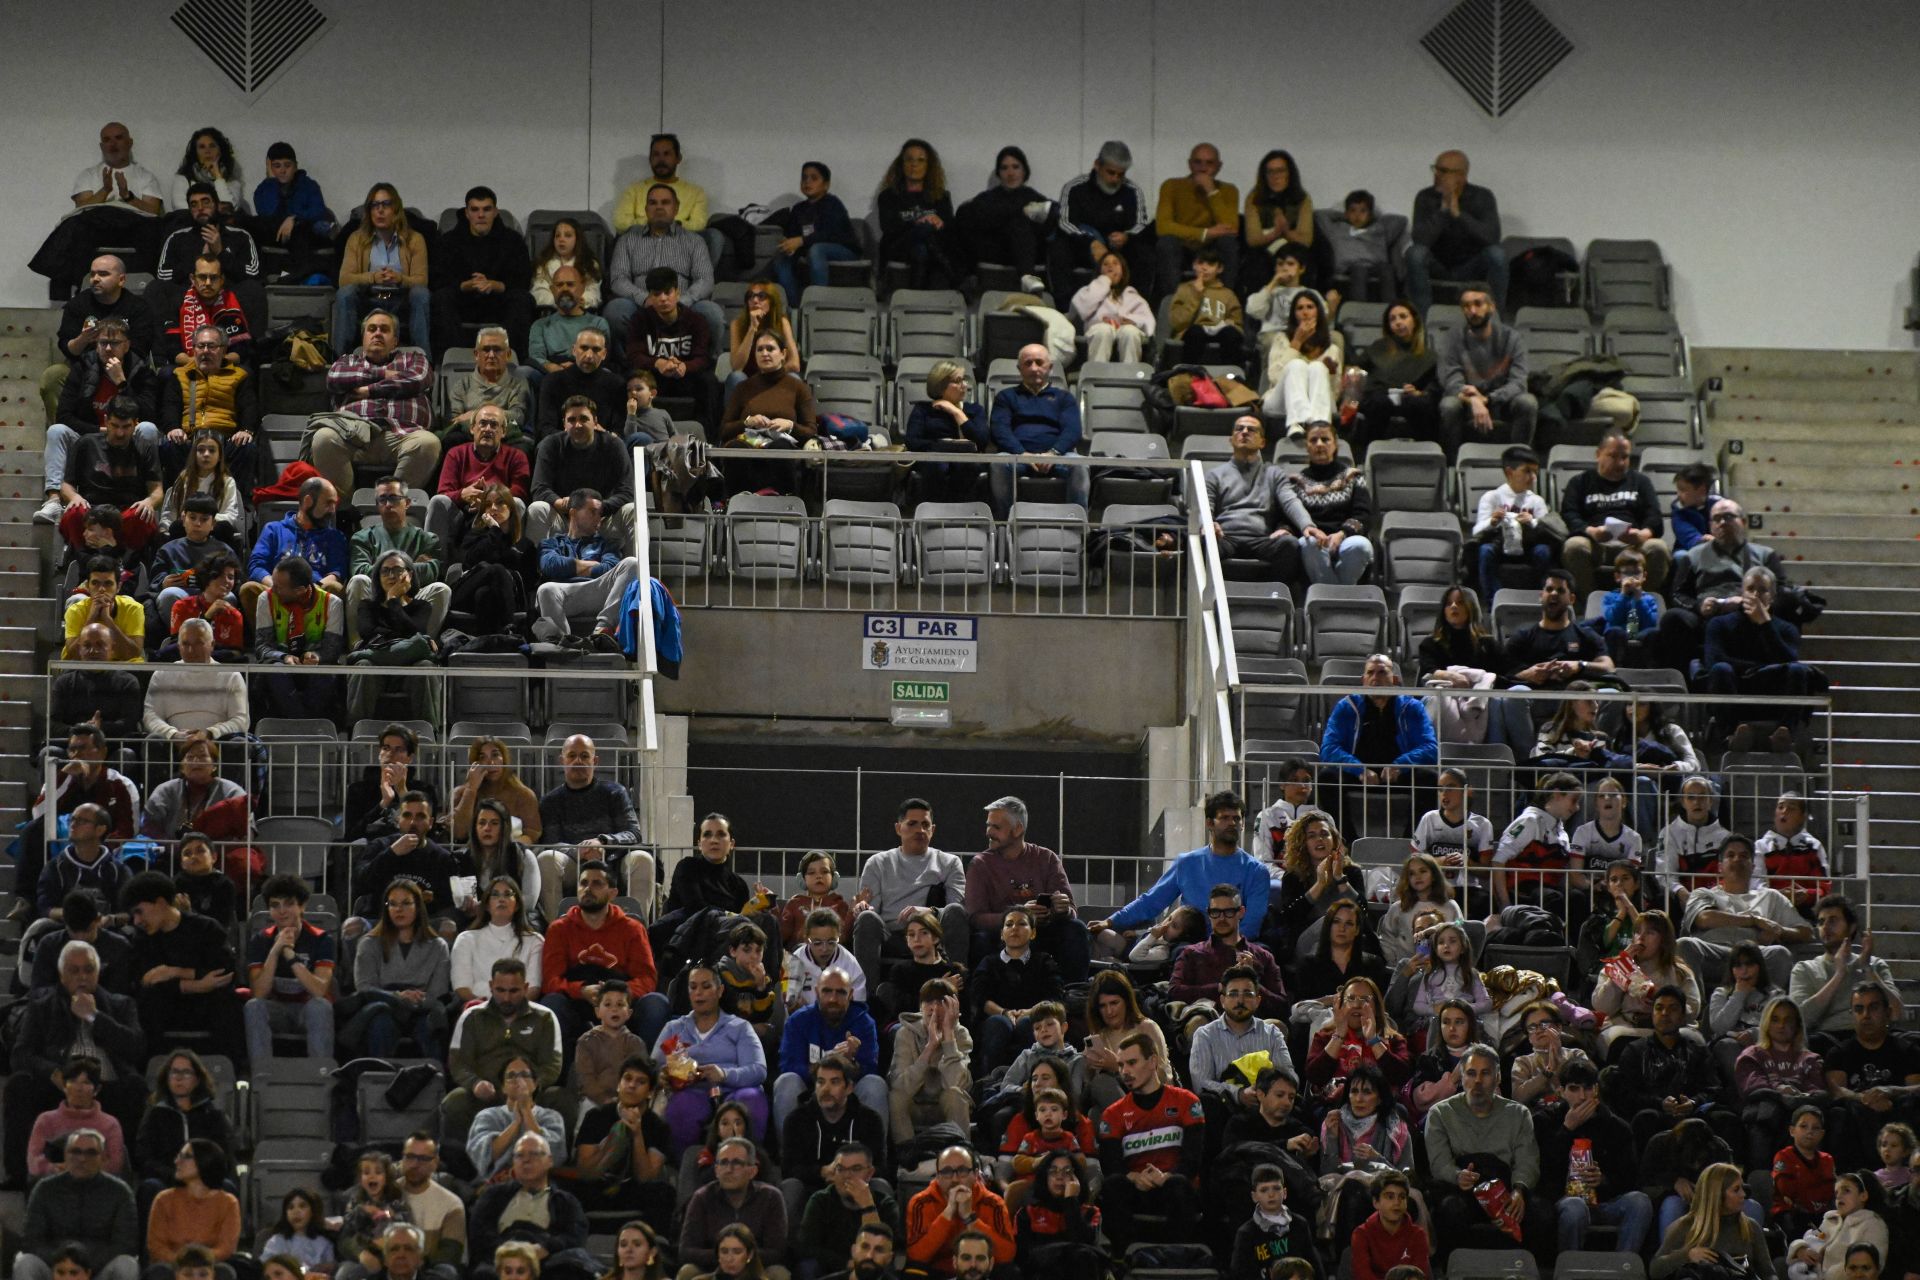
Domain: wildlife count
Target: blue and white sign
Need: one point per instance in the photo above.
(919, 642)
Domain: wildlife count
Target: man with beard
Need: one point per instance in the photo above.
(550, 341)
(1483, 377)
(1821, 986)
(1613, 490)
(1477, 1136)
(211, 232)
(871, 1257)
(1192, 877)
(1558, 649)
(1238, 1032)
(1104, 211)
(839, 1214)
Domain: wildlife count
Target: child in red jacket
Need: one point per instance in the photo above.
(1390, 1238)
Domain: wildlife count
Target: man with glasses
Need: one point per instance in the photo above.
(839, 1212)
(1192, 877)
(395, 532)
(495, 381)
(1456, 234)
(480, 273)
(208, 301)
(81, 1222)
(734, 1195)
(433, 1208)
(1707, 582)
(491, 1139)
(957, 1201)
(1240, 1030)
(108, 377)
(381, 412)
(509, 1027)
(471, 469)
(209, 391)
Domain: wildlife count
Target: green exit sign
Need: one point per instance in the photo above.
(919, 690)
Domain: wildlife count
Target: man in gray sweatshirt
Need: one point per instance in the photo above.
(904, 879)
(1243, 495)
(1477, 1136)
(1483, 378)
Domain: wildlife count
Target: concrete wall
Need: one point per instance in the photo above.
(1767, 146)
(1115, 680)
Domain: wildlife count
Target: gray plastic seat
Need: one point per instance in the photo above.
(294, 844)
(1265, 711)
(1513, 609)
(1407, 475)
(1344, 621)
(1420, 547)
(1047, 544)
(855, 394)
(953, 544)
(860, 542)
(680, 546)
(1261, 615)
(487, 686)
(839, 319)
(1114, 373)
(766, 537)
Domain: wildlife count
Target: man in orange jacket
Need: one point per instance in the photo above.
(954, 1203)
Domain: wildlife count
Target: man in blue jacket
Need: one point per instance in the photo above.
(1379, 738)
(308, 532)
(833, 1023)
(290, 211)
(1191, 879)
(1036, 417)
(581, 574)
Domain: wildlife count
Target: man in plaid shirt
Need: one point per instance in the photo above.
(381, 411)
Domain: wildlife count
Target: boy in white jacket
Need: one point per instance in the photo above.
(1514, 522)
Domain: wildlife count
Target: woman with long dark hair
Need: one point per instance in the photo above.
(1278, 212)
(196, 1209)
(401, 975)
(500, 933)
(1303, 372)
(1059, 1219)
(1007, 222)
(209, 158)
(1402, 382)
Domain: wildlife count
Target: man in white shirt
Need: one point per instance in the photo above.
(115, 202)
(1732, 910)
(902, 880)
(1823, 986)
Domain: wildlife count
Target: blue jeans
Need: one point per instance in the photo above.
(1632, 1213)
(1540, 556)
(1490, 265)
(1000, 481)
(818, 259)
(1001, 1039)
(1347, 565)
(353, 301)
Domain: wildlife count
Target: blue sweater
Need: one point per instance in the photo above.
(806, 1030)
(558, 553)
(1191, 878)
(1690, 523)
(1414, 739)
(1047, 421)
(304, 203)
(324, 549)
(1615, 607)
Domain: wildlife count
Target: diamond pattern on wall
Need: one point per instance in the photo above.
(1496, 50)
(250, 41)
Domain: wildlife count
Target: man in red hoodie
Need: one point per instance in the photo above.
(592, 945)
(956, 1204)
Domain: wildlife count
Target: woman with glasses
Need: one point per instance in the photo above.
(1536, 1073)
(765, 312)
(384, 259)
(496, 1129)
(195, 1210)
(397, 629)
(182, 1108)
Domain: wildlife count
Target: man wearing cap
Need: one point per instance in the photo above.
(1103, 211)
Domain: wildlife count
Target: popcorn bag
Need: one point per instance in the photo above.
(1502, 1206)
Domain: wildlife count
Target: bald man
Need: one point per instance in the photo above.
(1456, 234)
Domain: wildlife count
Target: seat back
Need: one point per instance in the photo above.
(766, 537)
(1047, 544)
(1344, 621)
(1407, 475)
(488, 686)
(1420, 547)
(1261, 615)
(860, 542)
(953, 544)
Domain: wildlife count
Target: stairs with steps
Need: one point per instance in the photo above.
(29, 627)
(1823, 447)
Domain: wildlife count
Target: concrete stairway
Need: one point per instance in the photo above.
(29, 622)
(1823, 447)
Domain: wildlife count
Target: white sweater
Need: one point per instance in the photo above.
(475, 950)
(1094, 303)
(189, 696)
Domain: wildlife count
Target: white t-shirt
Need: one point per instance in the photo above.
(1437, 836)
(1598, 848)
(805, 975)
(1768, 904)
(140, 184)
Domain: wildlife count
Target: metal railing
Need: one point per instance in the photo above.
(868, 552)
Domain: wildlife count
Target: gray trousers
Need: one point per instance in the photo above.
(558, 603)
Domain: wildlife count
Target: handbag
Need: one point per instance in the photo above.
(1207, 394)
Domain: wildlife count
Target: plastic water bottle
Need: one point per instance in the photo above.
(1512, 541)
(1579, 1160)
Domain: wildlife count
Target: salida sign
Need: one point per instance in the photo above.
(919, 642)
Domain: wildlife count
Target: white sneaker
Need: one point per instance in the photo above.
(1032, 284)
(50, 511)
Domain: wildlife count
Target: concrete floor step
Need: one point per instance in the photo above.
(1823, 573)
(1845, 550)
(1837, 389)
(1831, 500)
(1817, 646)
(1867, 622)
(1864, 444)
(1753, 417)
(1795, 363)
(18, 434)
(1873, 599)
(1781, 525)
(27, 611)
(1747, 475)
(18, 500)
(1877, 751)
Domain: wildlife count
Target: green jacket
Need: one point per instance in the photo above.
(372, 542)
